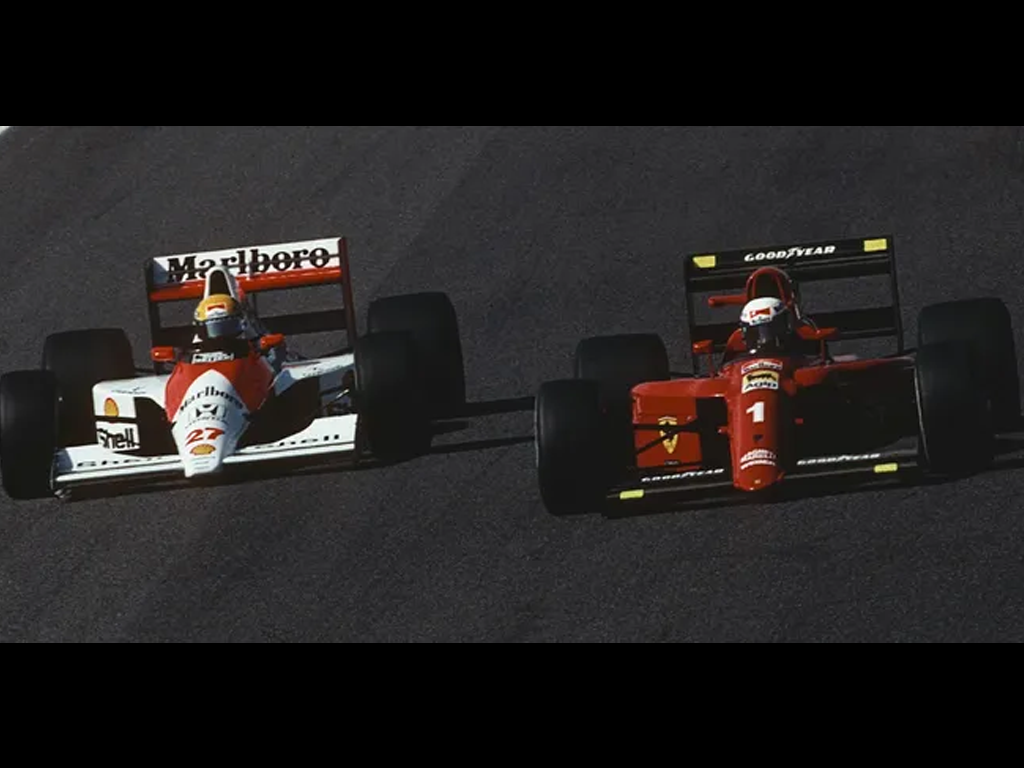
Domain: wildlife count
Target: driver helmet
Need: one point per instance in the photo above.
(767, 325)
(219, 316)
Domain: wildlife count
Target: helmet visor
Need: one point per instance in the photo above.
(769, 335)
(224, 327)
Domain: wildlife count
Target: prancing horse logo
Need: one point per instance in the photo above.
(670, 443)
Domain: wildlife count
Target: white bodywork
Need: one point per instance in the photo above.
(206, 429)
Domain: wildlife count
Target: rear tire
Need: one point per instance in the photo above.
(28, 433)
(986, 324)
(954, 411)
(79, 360)
(571, 440)
(431, 321)
(618, 364)
(391, 403)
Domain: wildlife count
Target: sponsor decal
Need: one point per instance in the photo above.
(110, 409)
(208, 412)
(209, 433)
(133, 391)
(203, 450)
(760, 457)
(760, 380)
(212, 357)
(683, 475)
(294, 443)
(790, 253)
(761, 365)
(251, 262)
(117, 437)
(123, 461)
(845, 459)
(212, 391)
(670, 443)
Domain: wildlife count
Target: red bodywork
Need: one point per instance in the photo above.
(759, 395)
(251, 377)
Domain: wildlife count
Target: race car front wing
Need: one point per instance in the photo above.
(667, 488)
(326, 437)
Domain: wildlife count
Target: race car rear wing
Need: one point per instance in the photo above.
(277, 267)
(728, 271)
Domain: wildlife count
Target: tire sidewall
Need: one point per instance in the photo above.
(28, 433)
(954, 409)
(432, 324)
(572, 455)
(391, 404)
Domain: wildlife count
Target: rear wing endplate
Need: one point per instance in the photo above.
(282, 266)
(727, 271)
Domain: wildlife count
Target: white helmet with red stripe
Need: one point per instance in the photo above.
(767, 325)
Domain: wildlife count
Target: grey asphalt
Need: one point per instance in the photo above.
(541, 235)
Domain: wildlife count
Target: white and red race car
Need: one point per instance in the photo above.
(210, 406)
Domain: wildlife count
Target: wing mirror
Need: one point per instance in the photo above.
(731, 300)
(271, 341)
(820, 334)
(706, 347)
(162, 354)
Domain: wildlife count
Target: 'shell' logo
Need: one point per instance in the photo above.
(117, 437)
(670, 443)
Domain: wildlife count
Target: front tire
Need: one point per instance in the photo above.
(28, 433)
(954, 409)
(571, 440)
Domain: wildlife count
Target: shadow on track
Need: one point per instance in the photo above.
(477, 411)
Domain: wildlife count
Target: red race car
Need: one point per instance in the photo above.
(775, 404)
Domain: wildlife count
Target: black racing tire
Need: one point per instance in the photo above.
(391, 404)
(79, 360)
(28, 433)
(617, 364)
(620, 363)
(431, 320)
(572, 452)
(954, 410)
(986, 324)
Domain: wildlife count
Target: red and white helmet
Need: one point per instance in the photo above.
(767, 325)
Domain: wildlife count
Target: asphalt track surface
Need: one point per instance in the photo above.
(541, 236)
